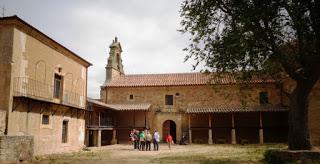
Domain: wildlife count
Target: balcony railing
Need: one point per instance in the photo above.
(28, 87)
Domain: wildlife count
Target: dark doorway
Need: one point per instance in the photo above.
(91, 138)
(169, 126)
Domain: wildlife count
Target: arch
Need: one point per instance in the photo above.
(169, 126)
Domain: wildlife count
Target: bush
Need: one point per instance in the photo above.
(271, 157)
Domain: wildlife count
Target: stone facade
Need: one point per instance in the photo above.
(3, 115)
(314, 114)
(188, 96)
(44, 88)
(16, 149)
(242, 118)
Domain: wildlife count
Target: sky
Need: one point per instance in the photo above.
(146, 29)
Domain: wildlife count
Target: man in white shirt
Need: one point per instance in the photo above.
(156, 140)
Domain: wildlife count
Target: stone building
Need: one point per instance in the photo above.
(185, 104)
(43, 89)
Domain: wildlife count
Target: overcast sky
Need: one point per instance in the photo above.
(146, 29)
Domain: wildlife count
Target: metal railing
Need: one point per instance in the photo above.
(27, 87)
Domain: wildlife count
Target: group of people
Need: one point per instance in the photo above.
(142, 140)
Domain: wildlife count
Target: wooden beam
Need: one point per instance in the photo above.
(189, 121)
(145, 119)
(99, 119)
(134, 119)
(210, 120)
(260, 119)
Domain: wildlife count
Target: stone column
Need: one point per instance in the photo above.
(210, 131)
(210, 137)
(114, 139)
(99, 138)
(190, 136)
(261, 140)
(3, 121)
(190, 132)
(261, 136)
(233, 136)
(233, 131)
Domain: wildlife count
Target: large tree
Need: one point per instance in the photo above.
(268, 36)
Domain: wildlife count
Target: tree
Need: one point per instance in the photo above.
(270, 37)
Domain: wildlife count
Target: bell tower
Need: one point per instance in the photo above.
(114, 67)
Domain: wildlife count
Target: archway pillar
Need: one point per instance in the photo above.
(210, 131)
(233, 131)
(190, 132)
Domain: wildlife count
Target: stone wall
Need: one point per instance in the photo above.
(2, 122)
(16, 148)
(48, 138)
(183, 97)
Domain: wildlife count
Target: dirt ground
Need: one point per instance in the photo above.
(178, 154)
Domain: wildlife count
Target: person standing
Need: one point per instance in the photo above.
(136, 139)
(169, 140)
(156, 140)
(131, 138)
(142, 140)
(148, 141)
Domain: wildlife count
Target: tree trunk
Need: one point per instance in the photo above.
(298, 137)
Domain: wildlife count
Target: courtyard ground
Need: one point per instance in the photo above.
(178, 154)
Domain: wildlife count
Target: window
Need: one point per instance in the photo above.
(131, 97)
(57, 86)
(64, 131)
(45, 119)
(263, 97)
(177, 94)
(169, 99)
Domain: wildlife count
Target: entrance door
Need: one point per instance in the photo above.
(169, 126)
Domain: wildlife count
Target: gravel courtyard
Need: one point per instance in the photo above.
(178, 154)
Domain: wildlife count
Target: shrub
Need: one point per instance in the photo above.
(271, 157)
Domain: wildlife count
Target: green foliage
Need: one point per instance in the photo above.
(270, 157)
(269, 36)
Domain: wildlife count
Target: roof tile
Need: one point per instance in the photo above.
(177, 79)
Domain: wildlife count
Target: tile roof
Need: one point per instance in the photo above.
(98, 103)
(120, 107)
(176, 79)
(126, 107)
(228, 109)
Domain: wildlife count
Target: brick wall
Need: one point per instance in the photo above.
(16, 148)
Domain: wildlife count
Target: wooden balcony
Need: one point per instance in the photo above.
(30, 88)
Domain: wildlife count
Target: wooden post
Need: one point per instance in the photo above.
(134, 119)
(210, 131)
(99, 120)
(190, 132)
(145, 119)
(233, 131)
(261, 139)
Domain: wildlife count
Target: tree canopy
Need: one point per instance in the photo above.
(271, 36)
